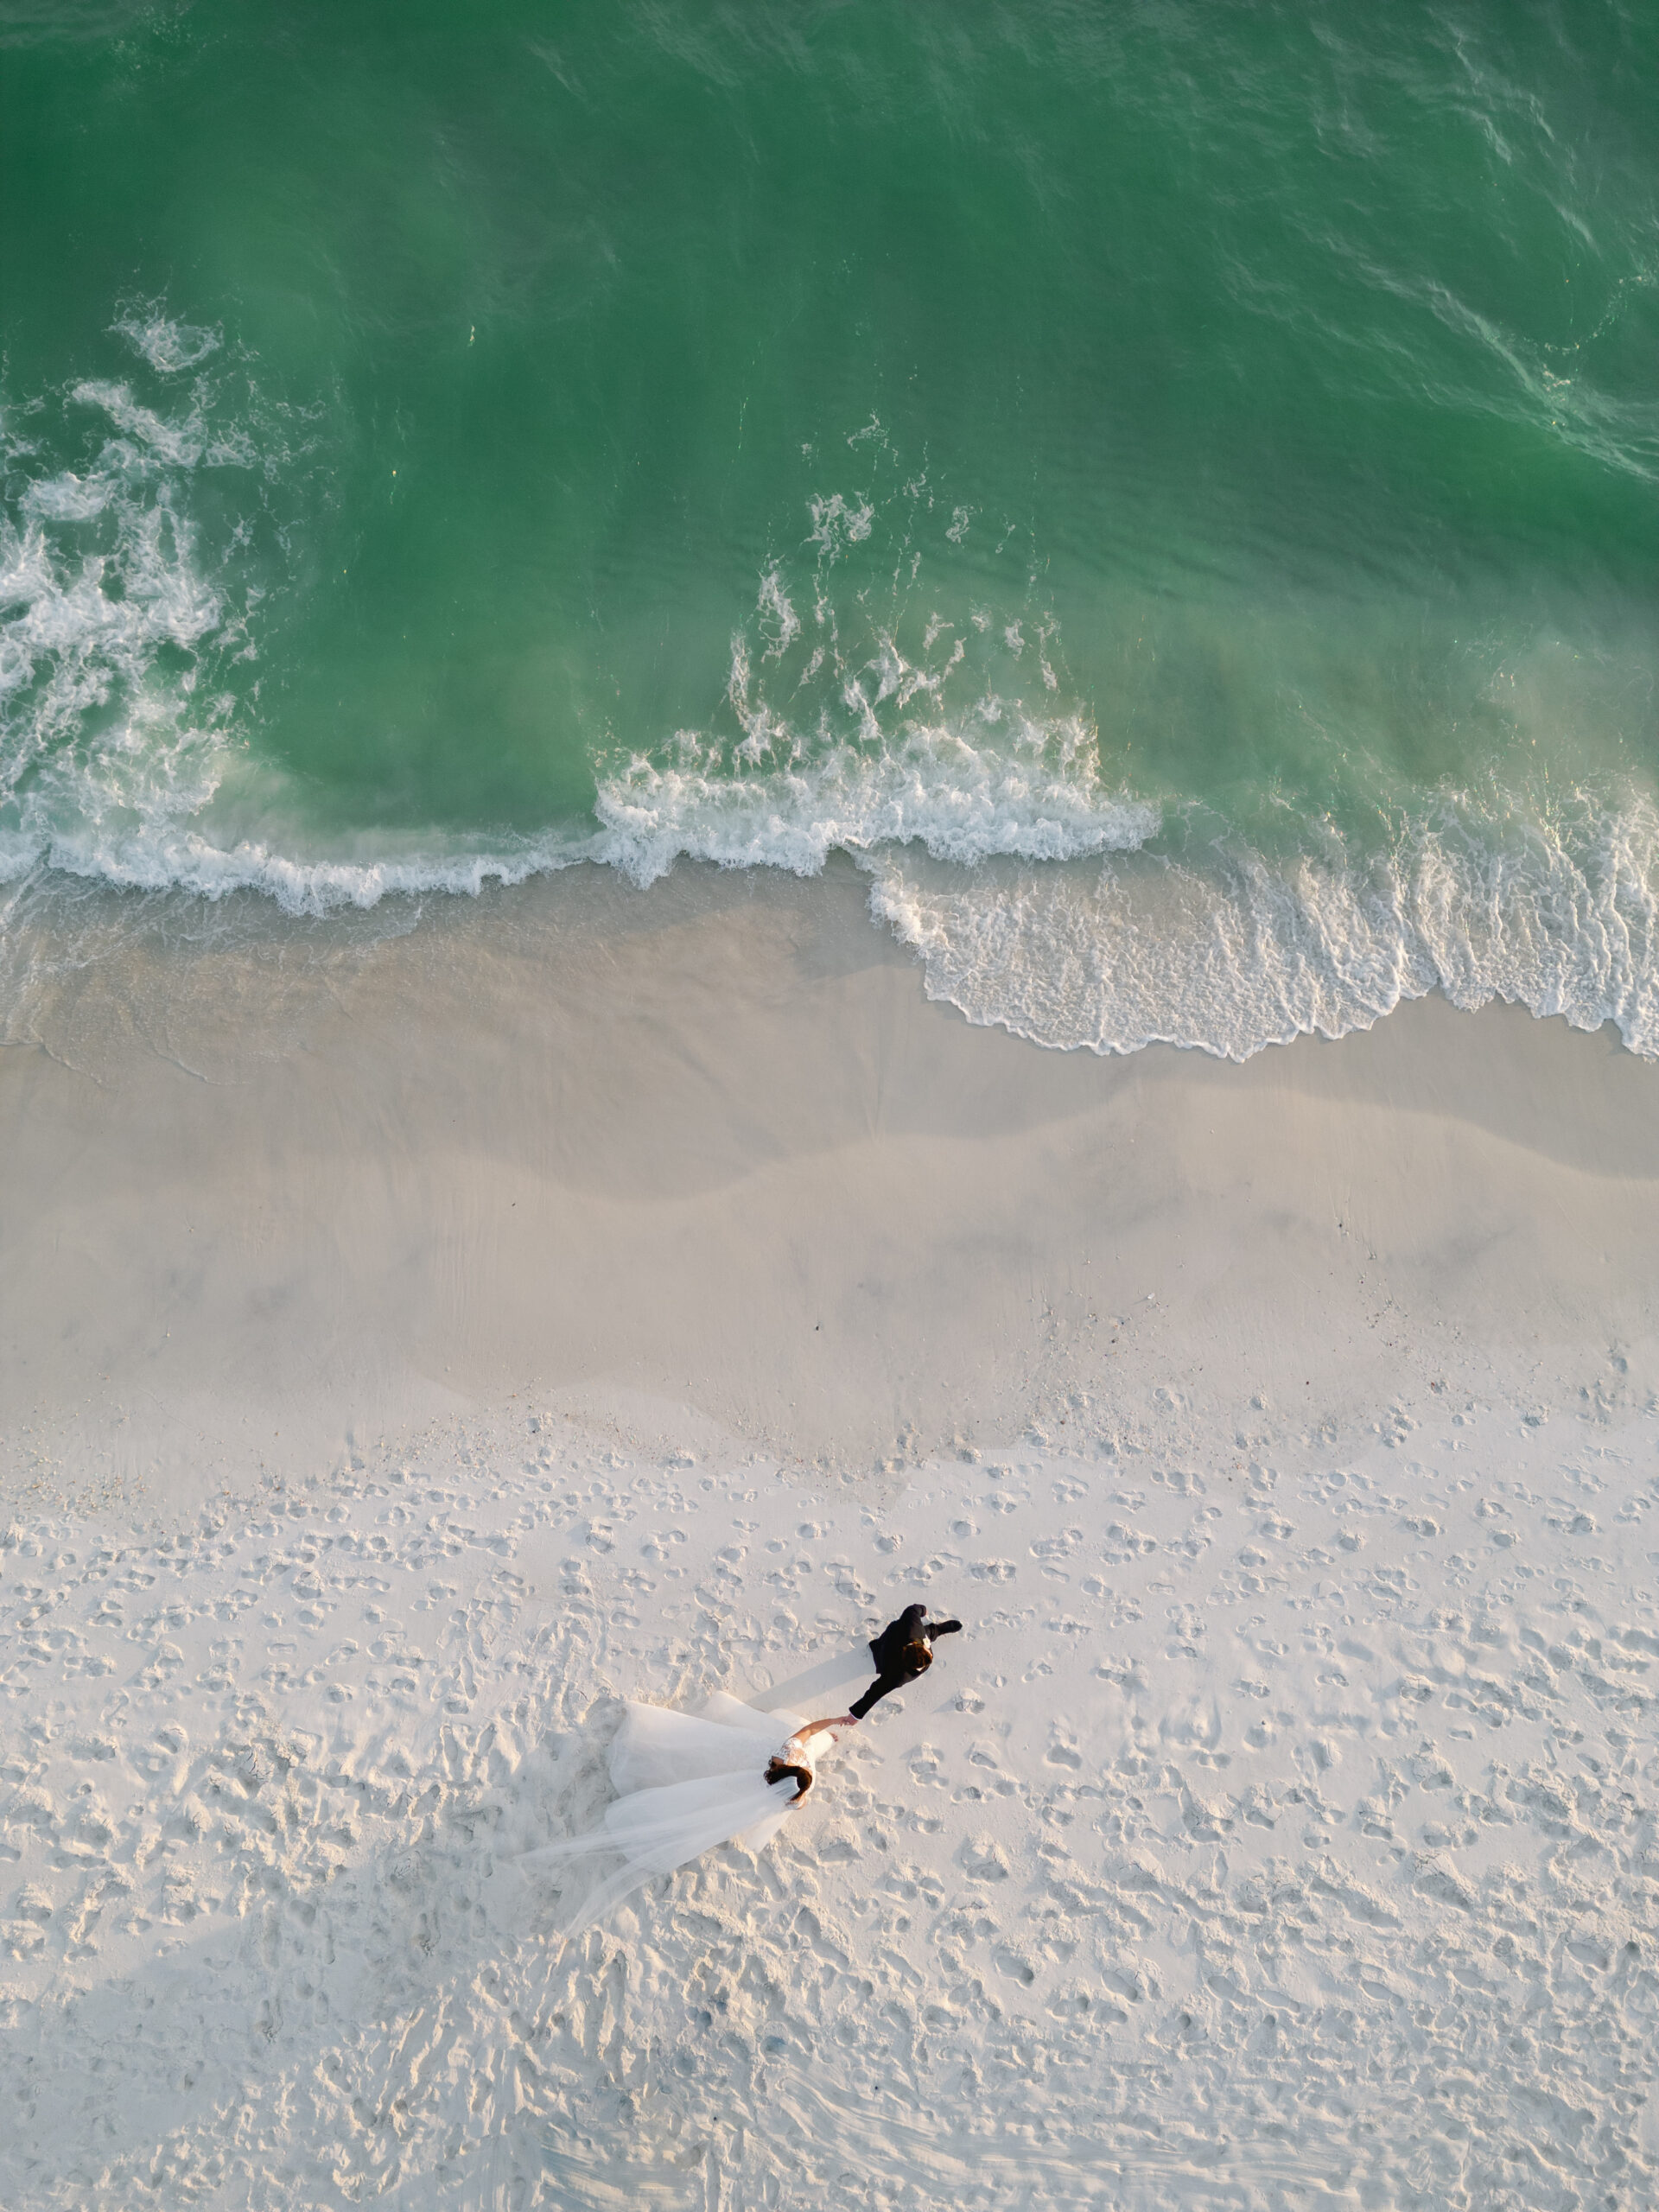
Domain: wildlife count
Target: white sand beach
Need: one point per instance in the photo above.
(580, 1296)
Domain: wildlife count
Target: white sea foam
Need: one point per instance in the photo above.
(1230, 952)
(168, 345)
(957, 801)
(95, 724)
(114, 753)
(179, 441)
(163, 858)
(962, 801)
(1227, 954)
(117, 622)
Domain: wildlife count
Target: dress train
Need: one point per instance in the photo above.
(686, 1781)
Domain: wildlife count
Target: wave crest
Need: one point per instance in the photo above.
(1040, 798)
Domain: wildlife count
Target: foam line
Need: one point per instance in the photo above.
(1234, 953)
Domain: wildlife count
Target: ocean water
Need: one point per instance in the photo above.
(1172, 489)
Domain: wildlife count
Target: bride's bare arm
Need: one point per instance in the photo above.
(837, 1725)
(783, 1762)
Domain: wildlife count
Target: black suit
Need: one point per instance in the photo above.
(901, 1653)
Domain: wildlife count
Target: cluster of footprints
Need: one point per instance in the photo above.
(1271, 1831)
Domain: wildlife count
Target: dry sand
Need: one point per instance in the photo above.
(416, 1342)
(1280, 1832)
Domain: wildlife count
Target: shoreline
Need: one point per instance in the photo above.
(708, 1150)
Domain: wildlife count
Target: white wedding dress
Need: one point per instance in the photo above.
(686, 1781)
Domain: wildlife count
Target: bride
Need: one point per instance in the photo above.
(688, 1781)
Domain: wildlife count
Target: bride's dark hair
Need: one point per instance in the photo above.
(778, 1771)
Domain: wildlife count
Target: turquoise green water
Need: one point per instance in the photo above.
(1171, 488)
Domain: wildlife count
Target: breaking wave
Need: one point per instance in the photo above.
(1217, 947)
(141, 531)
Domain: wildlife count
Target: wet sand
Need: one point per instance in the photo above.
(709, 1149)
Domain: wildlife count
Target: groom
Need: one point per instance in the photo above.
(901, 1652)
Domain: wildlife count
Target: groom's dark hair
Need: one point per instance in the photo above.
(903, 1665)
